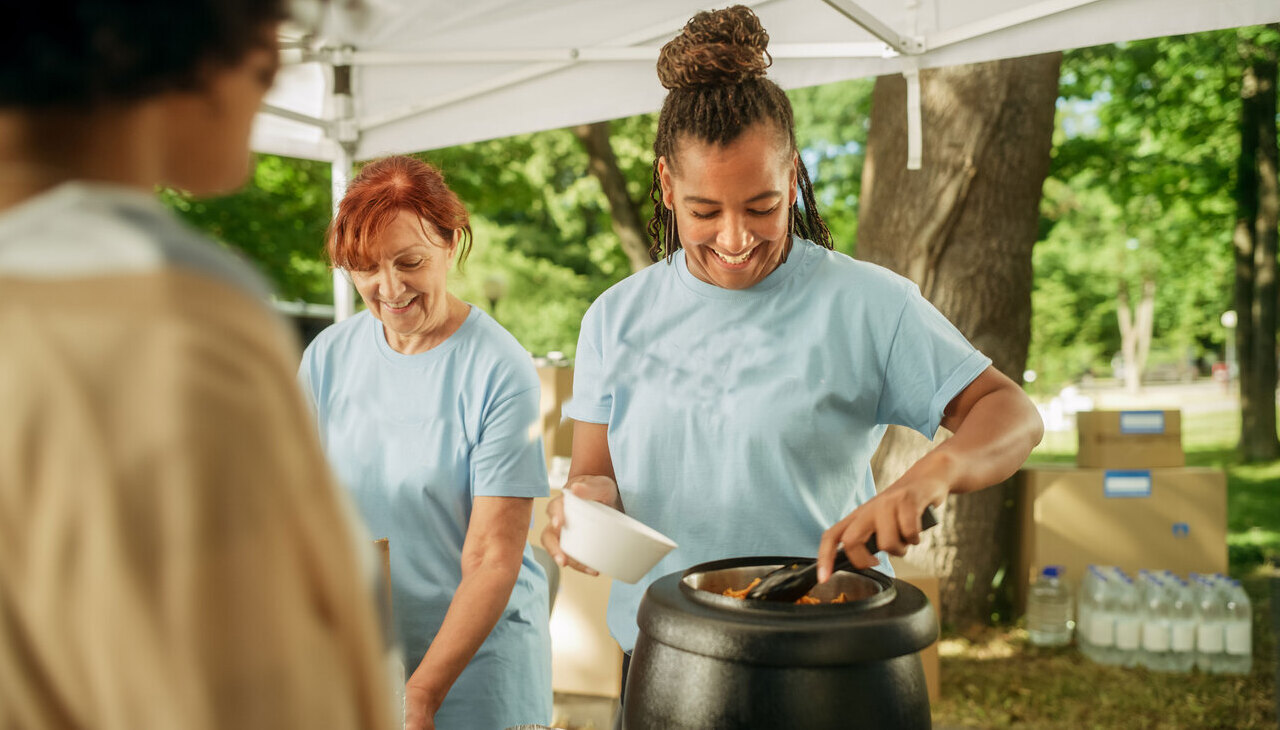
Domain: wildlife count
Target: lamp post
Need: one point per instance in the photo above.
(495, 288)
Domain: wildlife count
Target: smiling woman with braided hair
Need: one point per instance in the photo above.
(732, 397)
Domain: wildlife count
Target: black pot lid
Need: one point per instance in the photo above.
(885, 617)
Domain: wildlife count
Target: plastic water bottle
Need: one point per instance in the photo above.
(1098, 630)
(1182, 626)
(1238, 631)
(1210, 626)
(1156, 626)
(1084, 610)
(1049, 609)
(1128, 622)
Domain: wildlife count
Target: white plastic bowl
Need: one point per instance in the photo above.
(604, 539)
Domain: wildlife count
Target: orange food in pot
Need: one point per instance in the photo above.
(742, 593)
(802, 601)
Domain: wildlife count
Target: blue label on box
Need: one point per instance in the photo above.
(1126, 483)
(1181, 529)
(1141, 421)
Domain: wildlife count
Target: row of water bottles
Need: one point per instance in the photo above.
(1160, 620)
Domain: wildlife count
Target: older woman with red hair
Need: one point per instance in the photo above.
(428, 412)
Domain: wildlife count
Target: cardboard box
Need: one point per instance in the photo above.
(557, 432)
(928, 584)
(1158, 519)
(1129, 439)
(585, 660)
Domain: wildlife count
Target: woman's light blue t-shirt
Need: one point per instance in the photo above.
(742, 422)
(415, 438)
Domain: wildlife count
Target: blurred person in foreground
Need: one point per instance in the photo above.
(429, 412)
(173, 551)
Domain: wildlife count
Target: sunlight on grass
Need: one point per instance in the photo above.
(994, 678)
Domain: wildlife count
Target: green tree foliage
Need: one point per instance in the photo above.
(1141, 187)
(277, 220)
(542, 225)
(542, 304)
(831, 130)
(541, 222)
(538, 185)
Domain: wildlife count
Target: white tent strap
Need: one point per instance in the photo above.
(1003, 21)
(657, 31)
(915, 143)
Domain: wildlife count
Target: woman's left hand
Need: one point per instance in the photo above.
(420, 705)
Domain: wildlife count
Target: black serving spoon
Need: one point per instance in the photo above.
(790, 582)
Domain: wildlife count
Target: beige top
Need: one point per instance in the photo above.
(173, 551)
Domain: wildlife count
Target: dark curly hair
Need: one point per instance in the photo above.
(81, 53)
(714, 72)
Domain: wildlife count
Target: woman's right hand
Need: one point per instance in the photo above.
(597, 488)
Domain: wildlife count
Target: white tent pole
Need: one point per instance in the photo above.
(899, 42)
(869, 49)
(294, 116)
(344, 301)
(346, 134)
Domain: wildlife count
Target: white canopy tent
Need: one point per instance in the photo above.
(399, 76)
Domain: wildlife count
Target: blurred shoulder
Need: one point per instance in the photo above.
(81, 229)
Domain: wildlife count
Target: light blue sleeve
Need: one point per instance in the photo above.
(929, 364)
(508, 460)
(591, 401)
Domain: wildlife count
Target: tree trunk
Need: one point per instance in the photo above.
(1257, 206)
(1128, 341)
(1135, 332)
(963, 228)
(622, 211)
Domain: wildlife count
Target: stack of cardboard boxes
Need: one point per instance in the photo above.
(557, 431)
(1129, 502)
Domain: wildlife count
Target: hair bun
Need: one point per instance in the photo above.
(717, 47)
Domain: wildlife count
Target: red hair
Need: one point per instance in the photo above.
(376, 196)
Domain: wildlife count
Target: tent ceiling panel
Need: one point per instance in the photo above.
(429, 73)
(1104, 21)
(301, 89)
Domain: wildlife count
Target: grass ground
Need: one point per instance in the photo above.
(993, 678)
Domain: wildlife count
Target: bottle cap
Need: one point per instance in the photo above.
(1051, 571)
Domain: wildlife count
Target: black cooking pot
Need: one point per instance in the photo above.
(704, 660)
